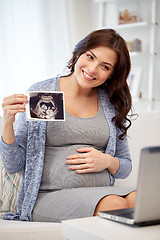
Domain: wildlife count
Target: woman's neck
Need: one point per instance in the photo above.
(79, 102)
(70, 86)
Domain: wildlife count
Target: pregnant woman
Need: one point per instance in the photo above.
(69, 167)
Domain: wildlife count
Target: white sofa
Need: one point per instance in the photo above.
(145, 131)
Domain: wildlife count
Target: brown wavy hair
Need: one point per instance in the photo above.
(116, 85)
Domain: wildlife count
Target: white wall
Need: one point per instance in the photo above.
(37, 38)
(32, 38)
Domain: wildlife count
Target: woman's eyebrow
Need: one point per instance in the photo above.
(103, 62)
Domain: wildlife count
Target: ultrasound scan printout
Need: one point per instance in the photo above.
(45, 106)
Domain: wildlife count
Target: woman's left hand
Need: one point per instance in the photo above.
(88, 160)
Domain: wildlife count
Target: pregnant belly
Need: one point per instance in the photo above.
(56, 174)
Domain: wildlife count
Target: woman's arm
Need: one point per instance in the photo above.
(13, 148)
(11, 106)
(123, 155)
(91, 160)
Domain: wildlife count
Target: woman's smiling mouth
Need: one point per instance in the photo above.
(87, 76)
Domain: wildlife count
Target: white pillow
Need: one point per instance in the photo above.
(10, 185)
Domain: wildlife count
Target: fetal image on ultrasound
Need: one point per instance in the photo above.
(46, 106)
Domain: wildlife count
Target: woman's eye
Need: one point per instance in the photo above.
(90, 56)
(105, 67)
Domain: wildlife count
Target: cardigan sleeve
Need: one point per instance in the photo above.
(116, 147)
(13, 155)
(123, 155)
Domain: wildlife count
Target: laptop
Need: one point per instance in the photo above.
(147, 207)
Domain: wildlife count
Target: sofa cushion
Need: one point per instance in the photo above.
(10, 185)
(144, 132)
(1, 185)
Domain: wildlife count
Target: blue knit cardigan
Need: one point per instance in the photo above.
(27, 153)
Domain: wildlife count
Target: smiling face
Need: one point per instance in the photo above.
(94, 66)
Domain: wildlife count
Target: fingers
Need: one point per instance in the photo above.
(76, 157)
(80, 163)
(85, 149)
(83, 153)
(87, 160)
(75, 161)
(14, 102)
(12, 110)
(13, 105)
(14, 99)
(85, 170)
(79, 167)
(82, 168)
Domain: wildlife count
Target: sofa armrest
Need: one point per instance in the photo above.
(144, 132)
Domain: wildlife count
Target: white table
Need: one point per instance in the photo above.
(96, 228)
(23, 230)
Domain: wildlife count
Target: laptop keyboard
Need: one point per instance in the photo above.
(128, 213)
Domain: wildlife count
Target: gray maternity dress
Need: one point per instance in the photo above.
(64, 194)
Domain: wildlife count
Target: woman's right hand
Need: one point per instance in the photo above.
(13, 105)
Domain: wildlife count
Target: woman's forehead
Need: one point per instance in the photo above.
(104, 54)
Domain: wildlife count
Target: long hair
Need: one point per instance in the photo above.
(116, 86)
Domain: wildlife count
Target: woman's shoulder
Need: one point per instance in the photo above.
(46, 85)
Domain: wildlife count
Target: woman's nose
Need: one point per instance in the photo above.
(93, 68)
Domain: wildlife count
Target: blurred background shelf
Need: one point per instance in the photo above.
(145, 29)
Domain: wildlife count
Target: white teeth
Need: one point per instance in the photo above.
(88, 76)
